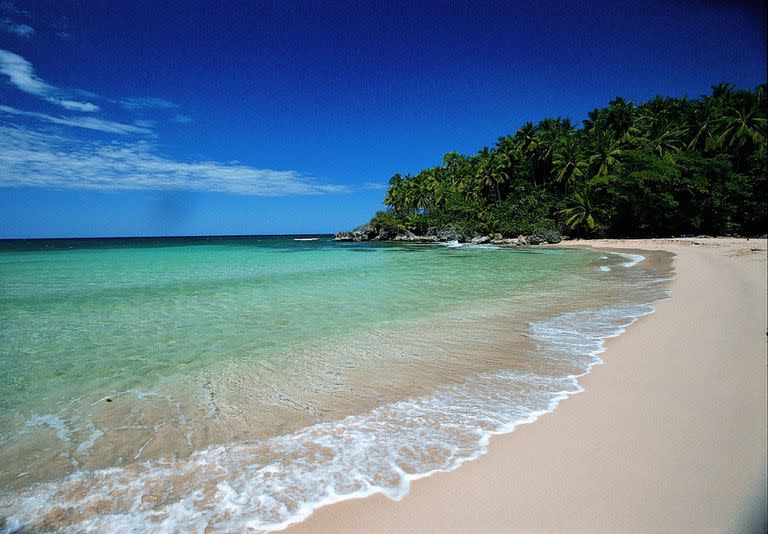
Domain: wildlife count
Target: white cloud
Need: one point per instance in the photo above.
(146, 102)
(21, 74)
(37, 159)
(89, 123)
(375, 186)
(22, 30)
(75, 106)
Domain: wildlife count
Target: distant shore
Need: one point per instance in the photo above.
(669, 435)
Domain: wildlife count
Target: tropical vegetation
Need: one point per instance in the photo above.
(668, 166)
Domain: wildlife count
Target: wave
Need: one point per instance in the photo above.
(634, 259)
(270, 484)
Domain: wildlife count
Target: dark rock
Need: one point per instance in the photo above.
(535, 240)
(552, 237)
(367, 230)
(385, 234)
(449, 234)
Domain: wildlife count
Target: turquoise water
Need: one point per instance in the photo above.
(113, 316)
(119, 352)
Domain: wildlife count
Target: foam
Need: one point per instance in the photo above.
(268, 485)
(605, 268)
(52, 421)
(634, 259)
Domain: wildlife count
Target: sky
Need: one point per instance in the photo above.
(211, 118)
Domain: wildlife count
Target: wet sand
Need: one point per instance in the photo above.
(670, 434)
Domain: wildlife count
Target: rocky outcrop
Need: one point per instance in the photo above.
(344, 236)
(368, 232)
(365, 232)
(449, 234)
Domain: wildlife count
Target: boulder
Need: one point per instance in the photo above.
(406, 236)
(385, 234)
(535, 240)
(552, 237)
(449, 234)
(367, 230)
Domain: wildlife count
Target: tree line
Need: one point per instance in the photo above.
(668, 166)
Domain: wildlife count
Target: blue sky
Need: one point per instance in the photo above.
(146, 118)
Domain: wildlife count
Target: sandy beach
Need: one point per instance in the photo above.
(668, 436)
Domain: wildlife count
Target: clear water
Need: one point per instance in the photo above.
(123, 353)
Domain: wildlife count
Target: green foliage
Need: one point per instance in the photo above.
(666, 166)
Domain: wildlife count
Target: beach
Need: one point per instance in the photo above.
(669, 434)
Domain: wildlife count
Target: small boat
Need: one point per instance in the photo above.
(305, 238)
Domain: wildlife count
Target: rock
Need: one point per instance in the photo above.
(496, 237)
(449, 234)
(407, 236)
(552, 237)
(344, 236)
(385, 234)
(535, 240)
(367, 230)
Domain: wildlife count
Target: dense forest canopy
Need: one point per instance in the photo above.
(669, 166)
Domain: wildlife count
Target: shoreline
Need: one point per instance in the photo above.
(667, 439)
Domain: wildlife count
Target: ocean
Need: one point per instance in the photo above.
(237, 383)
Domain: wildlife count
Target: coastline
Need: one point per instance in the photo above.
(670, 435)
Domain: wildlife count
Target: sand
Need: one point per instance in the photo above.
(670, 434)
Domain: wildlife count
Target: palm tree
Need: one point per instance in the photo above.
(707, 119)
(606, 152)
(662, 137)
(527, 145)
(582, 213)
(742, 124)
(568, 164)
(490, 173)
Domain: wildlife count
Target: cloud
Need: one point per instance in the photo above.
(89, 123)
(146, 102)
(39, 159)
(375, 186)
(22, 30)
(21, 74)
(77, 106)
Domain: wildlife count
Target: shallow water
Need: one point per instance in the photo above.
(247, 381)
